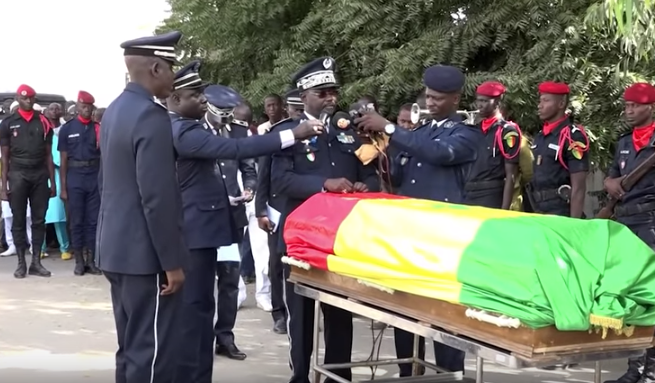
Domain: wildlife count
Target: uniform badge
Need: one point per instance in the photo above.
(311, 157)
(403, 161)
(510, 139)
(23, 93)
(345, 139)
(622, 164)
(15, 132)
(539, 159)
(448, 124)
(327, 63)
(577, 149)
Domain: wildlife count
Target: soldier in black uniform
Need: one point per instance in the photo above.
(561, 162)
(208, 222)
(432, 162)
(26, 142)
(140, 206)
(325, 164)
(636, 207)
(492, 177)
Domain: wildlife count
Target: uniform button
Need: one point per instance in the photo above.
(419, 164)
(445, 199)
(329, 144)
(213, 207)
(274, 195)
(413, 181)
(222, 164)
(224, 176)
(308, 150)
(332, 163)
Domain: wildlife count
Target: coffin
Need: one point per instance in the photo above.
(546, 343)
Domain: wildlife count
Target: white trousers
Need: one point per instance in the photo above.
(10, 237)
(259, 245)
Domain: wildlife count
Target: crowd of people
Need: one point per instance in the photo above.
(180, 180)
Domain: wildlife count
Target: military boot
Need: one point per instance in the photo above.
(79, 262)
(648, 375)
(90, 266)
(21, 270)
(36, 268)
(635, 370)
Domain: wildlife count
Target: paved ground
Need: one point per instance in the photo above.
(61, 329)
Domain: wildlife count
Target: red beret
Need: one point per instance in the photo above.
(26, 91)
(640, 93)
(491, 89)
(85, 98)
(552, 87)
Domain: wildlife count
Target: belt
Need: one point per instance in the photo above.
(563, 192)
(26, 163)
(622, 211)
(484, 185)
(83, 164)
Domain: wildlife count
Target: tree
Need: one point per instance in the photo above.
(382, 48)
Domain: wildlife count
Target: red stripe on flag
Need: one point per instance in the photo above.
(311, 229)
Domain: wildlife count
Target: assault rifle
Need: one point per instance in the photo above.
(627, 183)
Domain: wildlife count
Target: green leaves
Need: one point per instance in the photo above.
(382, 48)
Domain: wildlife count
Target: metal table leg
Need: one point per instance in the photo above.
(479, 370)
(316, 343)
(597, 372)
(416, 367)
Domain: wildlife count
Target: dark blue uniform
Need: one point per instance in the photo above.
(267, 195)
(486, 180)
(557, 155)
(208, 225)
(79, 146)
(434, 162)
(140, 225)
(636, 209)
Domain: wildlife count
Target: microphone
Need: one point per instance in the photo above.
(324, 117)
(341, 120)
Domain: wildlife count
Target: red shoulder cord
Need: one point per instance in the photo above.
(498, 139)
(565, 138)
(46, 125)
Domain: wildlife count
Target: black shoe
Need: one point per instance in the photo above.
(90, 264)
(80, 267)
(231, 352)
(280, 327)
(21, 270)
(36, 268)
(648, 375)
(248, 280)
(634, 373)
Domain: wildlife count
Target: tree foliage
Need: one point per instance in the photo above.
(383, 47)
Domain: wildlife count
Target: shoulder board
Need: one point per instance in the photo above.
(280, 123)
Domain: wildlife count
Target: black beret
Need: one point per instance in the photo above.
(443, 79)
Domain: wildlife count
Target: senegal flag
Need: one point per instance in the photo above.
(543, 270)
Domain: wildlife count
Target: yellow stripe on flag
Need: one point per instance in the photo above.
(376, 232)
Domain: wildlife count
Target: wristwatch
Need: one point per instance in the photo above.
(389, 128)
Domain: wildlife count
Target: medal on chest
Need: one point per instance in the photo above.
(311, 157)
(345, 139)
(622, 164)
(15, 132)
(539, 159)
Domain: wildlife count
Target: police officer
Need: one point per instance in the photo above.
(636, 207)
(561, 162)
(492, 177)
(327, 163)
(295, 106)
(223, 103)
(207, 218)
(79, 147)
(433, 163)
(26, 142)
(268, 201)
(141, 207)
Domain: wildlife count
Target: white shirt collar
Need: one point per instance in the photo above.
(438, 123)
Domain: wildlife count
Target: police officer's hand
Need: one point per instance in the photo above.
(371, 122)
(53, 191)
(360, 187)
(247, 195)
(265, 224)
(613, 187)
(308, 129)
(338, 185)
(4, 194)
(174, 282)
(63, 194)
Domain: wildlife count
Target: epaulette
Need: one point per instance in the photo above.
(280, 123)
